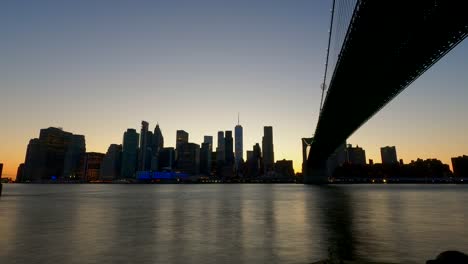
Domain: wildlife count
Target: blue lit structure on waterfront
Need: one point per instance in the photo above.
(157, 176)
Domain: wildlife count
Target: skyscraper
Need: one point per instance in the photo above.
(182, 138)
(158, 145)
(91, 166)
(52, 155)
(74, 154)
(355, 155)
(220, 156)
(205, 158)
(111, 163)
(189, 158)
(129, 153)
(143, 146)
(239, 145)
(1, 169)
(209, 140)
(267, 146)
(228, 148)
(389, 155)
(460, 166)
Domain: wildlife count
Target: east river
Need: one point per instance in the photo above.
(230, 223)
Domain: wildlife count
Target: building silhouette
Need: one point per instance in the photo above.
(111, 163)
(91, 166)
(182, 138)
(157, 146)
(166, 159)
(267, 146)
(228, 148)
(220, 149)
(239, 144)
(355, 155)
(336, 159)
(143, 153)
(20, 173)
(389, 155)
(189, 158)
(74, 154)
(284, 168)
(1, 169)
(206, 152)
(460, 166)
(129, 153)
(53, 155)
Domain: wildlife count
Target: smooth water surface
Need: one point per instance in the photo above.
(230, 223)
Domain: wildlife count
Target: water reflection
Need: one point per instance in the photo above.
(337, 218)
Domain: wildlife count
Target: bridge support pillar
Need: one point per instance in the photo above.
(316, 175)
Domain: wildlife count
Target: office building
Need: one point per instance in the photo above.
(389, 155)
(166, 160)
(1, 169)
(205, 158)
(355, 155)
(20, 173)
(189, 158)
(142, 157)
(91, 166)
(220, 153)
(228, 148)
(52, 156)
(267, 147)
(111, 163)
(460, 166)
(209, 140)
(74, 154)
(129, 154)
(239, 144)
(284, 168)
(182, 138)
(157, 146)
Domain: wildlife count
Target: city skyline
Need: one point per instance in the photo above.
(65, 75)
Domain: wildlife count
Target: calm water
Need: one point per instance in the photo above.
(230, 223)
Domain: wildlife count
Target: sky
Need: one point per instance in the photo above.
(97, 68)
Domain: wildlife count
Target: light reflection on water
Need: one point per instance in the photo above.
(230, 223)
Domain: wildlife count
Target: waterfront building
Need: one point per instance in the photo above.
(129, 154)
(20, 173)
(1, 169)
(73, 155)
(157, 146)
(239, 144)
(189, 158)
(389, 155)
(182, 138)
(355, 155)
(111, 163)
(91, 166)
(166, 159)
(209, 140)
(284, 168)
(228, 148)
(205, 158)
(143, 146)
(53, 155)
(460, 166)
(267, 147)
(220, 151)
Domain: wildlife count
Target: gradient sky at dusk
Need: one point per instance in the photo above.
(99, 67)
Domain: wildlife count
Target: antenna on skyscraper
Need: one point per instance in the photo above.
(238, 122)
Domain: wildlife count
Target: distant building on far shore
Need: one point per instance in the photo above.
(389, 155)
(460, 166)
(1, 169)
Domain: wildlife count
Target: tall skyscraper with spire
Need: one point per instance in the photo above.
(239, 149)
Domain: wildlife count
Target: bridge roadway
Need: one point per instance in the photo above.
(388, 45)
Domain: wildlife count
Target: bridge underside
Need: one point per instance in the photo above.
(388, 45)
